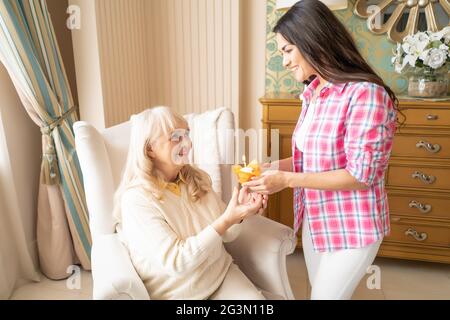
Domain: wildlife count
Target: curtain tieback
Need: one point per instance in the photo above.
(49, 166)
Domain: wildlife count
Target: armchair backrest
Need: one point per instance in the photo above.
(103, 155)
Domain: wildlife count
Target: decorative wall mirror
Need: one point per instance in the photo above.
(398, 18)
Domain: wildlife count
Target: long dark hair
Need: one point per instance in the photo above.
(326, 45)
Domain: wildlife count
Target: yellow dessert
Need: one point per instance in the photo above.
(244, 174)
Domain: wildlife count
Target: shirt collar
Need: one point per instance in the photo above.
(309, 90)
(175, 187)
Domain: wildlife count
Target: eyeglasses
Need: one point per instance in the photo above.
(179, 135)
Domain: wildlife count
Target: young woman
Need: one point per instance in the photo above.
(172, 222)
(341, 147)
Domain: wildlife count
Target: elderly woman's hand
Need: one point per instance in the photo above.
(236, 212)
(246, 197)
(270, 182)
(243, 204)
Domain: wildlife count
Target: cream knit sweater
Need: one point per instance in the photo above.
(173, 247)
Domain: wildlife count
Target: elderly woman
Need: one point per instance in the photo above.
(172, 222)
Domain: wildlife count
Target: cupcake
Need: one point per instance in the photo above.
(245, 174)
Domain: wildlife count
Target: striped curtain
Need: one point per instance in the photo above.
(30, 53)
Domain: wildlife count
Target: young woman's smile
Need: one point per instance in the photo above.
(293, 60)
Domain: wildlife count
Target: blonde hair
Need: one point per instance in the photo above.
(140, 172)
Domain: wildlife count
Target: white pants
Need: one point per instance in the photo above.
(335, 275)
(236, 286)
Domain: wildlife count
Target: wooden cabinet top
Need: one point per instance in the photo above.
(280, 98)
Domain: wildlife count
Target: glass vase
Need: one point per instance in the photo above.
(428, 83)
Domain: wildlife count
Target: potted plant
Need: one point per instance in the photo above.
(425, 58)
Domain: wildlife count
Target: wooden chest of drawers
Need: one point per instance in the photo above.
(417, 180)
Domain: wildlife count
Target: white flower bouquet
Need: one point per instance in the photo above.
(423, 50)
(425, 57)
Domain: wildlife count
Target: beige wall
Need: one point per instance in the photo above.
(87, 65)
(193, 50)
(23, 139)
(57, 9)
(183, 54)
(252, 67)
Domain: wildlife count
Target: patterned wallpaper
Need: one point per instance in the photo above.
(377, 49)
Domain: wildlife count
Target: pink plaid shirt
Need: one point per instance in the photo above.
(352, 128)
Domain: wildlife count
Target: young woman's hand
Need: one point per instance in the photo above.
(270, 182)
(281, 165)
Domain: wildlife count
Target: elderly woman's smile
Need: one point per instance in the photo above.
(170, 152)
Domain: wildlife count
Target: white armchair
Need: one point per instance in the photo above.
(260, 250)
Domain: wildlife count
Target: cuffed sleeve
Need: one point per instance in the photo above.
(370, 127)
(232, 233)
(156, 244)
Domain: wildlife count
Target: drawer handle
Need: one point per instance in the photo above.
(423, 177)
(424, 208)
(413, 233)
(432, 117)
(428, 146)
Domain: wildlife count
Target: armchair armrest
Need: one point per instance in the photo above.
(260, 252)
(113, 274)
